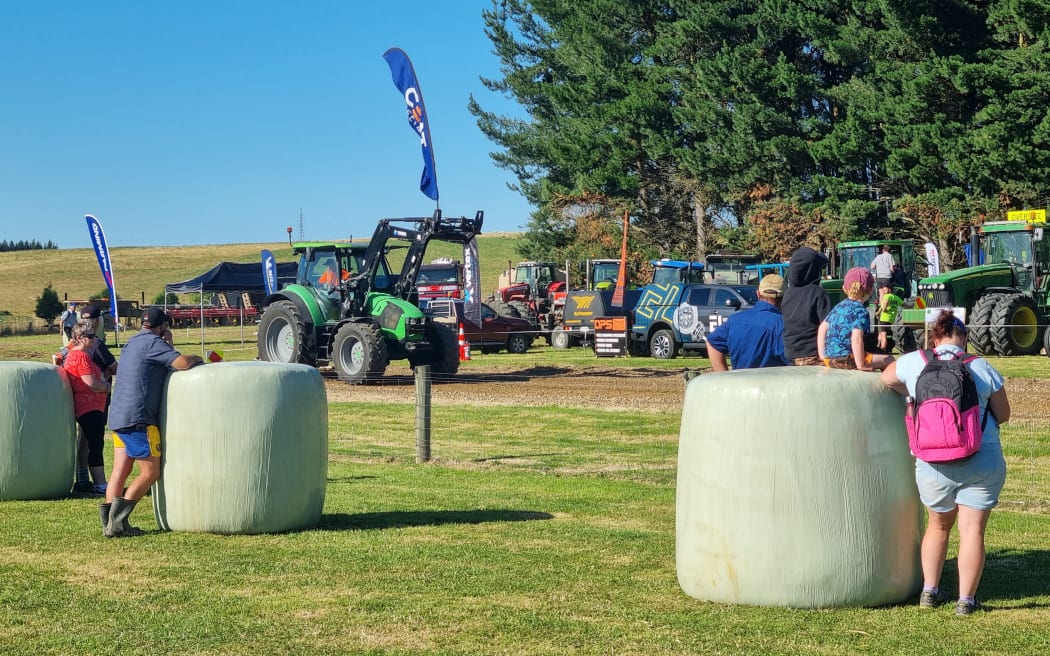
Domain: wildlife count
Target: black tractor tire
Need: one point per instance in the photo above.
(1015, 326)
(561, 339)
(1046, 342)
(906, 338)
(446, 349)
(359, 353)
(505, 309)
(980, 328)
(519, 343)
(284, 335)
(526, 313)
(662, 345)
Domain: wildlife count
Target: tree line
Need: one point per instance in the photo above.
(23, 245)
(765, 125)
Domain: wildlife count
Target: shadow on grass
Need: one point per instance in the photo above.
(518, 456)
(1016, 574)
(404, 519)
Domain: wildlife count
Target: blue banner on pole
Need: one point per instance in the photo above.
(269, 267)
(98, 241)
(405, 80)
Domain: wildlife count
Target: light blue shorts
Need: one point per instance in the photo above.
(974, 483)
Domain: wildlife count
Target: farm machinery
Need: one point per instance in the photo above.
(349, 309)
(1004, 292)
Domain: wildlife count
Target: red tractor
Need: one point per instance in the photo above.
(532, 291)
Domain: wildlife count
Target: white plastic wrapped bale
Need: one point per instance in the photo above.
(244, 449)
(796, 488)
(37, 431)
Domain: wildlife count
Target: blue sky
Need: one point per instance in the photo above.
(187, 122)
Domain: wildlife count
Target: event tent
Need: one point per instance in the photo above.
(233, 277)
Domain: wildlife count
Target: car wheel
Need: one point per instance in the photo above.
(662, 345)
(518, 343)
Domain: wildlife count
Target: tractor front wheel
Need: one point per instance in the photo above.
(359, 353)
(1015, 326)
(981, 324)
(283, 335)
(446, 349)
(906, 338)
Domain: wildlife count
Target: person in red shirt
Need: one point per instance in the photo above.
(89, 395)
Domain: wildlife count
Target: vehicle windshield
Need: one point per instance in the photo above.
(605, 271)
(731, 262)
(857, 256)
(1008, 248)
(531, 274)
(444, 275)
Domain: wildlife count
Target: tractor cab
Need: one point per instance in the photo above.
(666, 271)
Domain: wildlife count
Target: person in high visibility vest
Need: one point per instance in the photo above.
(889, 305)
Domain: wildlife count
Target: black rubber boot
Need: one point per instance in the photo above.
(118, 526)
(103, 513)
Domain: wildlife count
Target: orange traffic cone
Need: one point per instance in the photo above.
(464, 345)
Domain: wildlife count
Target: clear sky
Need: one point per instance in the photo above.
(184, 122)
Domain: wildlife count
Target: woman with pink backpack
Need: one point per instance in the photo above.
(956, 483)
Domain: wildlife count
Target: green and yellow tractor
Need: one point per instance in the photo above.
(1004, 292)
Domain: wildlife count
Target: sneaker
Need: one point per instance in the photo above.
(84, 487)
(932, 599)
(967, 608)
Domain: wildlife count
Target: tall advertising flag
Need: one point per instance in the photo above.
(98, 241)
(269, 267)
(472, 281)
(933, 266)
(405, 80)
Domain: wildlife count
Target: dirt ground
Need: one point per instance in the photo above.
(608, 388)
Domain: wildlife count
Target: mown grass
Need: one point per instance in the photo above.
(141, 272)
(533, 531)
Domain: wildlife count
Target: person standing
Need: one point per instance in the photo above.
(90, 316)
(805, 305)
(964, 490)
(89, 403)
(134, 416)
(67, 321)
(755, 337)
(882, 267)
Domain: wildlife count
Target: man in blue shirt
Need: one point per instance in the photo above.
(755, 337)
(134, 416)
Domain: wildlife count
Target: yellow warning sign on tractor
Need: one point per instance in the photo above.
(1028, 216)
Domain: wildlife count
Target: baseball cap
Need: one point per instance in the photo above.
(857, 281)
(156, 316)
(771, 285)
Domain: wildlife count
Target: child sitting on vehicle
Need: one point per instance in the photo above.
(840, 338)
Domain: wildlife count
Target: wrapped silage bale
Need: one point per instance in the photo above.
(37, 431)
(796, 488)
(244, 449)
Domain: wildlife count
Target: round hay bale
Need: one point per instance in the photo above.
(796, 488)
(37, 431)
(244, 449)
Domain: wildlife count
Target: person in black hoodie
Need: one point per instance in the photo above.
(804, 306)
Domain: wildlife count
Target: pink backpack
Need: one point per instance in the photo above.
(943, 420)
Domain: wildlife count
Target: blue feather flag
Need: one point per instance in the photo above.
(98, 242)
(405, 80)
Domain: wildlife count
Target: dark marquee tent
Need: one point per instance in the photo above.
(233, 277)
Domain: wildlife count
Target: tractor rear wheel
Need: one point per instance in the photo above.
(662, 345)
(1015, 326)
(505, 309)
(906, 338)
(980, 328)
(359, 353)
(1046, 342)
(283, 335)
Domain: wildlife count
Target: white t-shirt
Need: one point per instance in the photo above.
(883, 265)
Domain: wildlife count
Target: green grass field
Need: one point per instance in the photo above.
(554, 538)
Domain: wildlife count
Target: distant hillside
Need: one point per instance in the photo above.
(142, 271)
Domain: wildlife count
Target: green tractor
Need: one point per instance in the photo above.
(346, 307)
(1004, 294)
(850, 254)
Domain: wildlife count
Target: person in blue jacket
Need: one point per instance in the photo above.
(755, 337)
